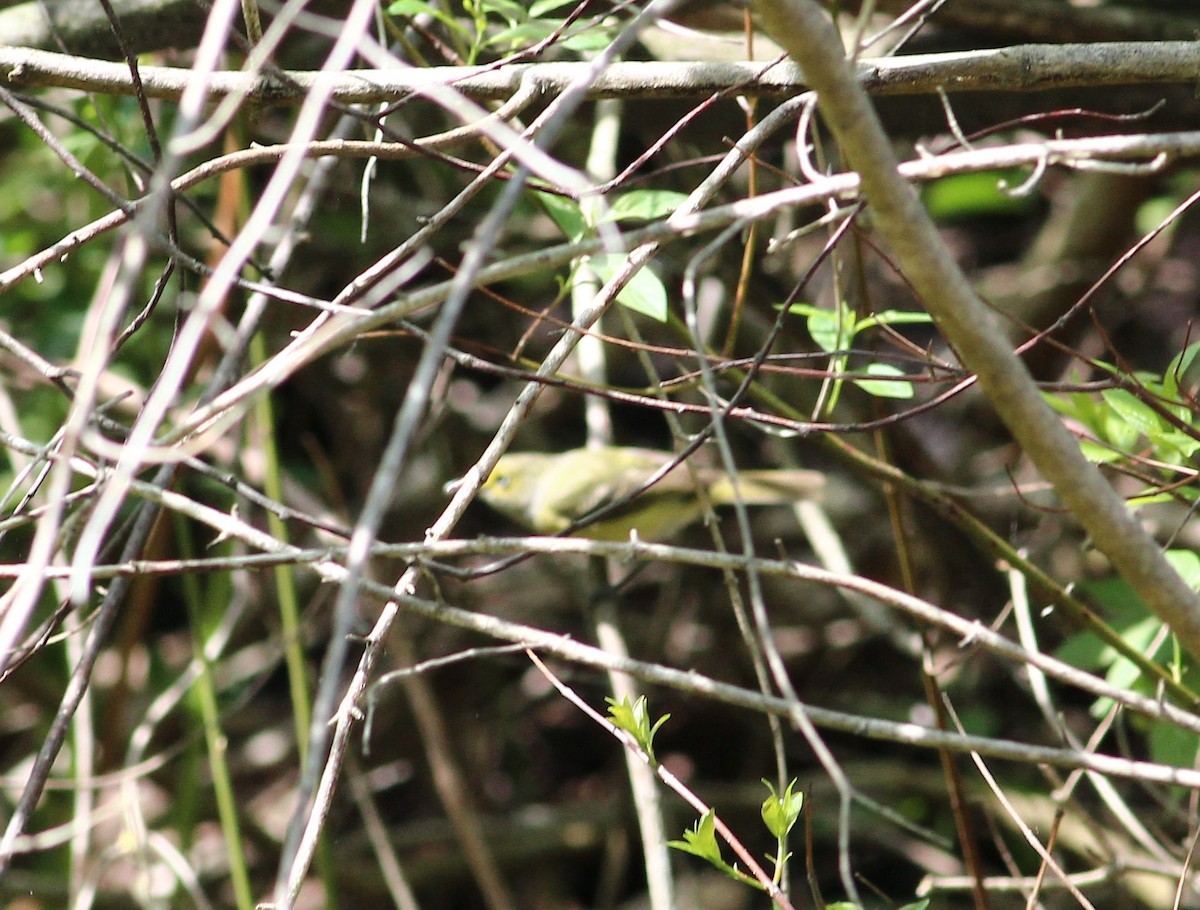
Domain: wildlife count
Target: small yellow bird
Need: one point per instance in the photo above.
(547, 493)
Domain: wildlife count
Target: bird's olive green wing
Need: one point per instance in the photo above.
(595, 478)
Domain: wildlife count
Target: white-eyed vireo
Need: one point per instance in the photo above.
(547, 493)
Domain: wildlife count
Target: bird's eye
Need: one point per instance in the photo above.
(501, 480)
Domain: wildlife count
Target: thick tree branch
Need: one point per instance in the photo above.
(1028, 68)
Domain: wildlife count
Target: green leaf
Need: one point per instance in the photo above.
(1079, 406)
(521, 34)
(1180, 370)
(1135, 412)
(1122, 435)
(541, 7)
(1187, 564)
(411, 8)
(780, 812)
(644, 294)
(644, 205)
(1122, 609)
(634, 719)
(509, 10)
(1174, 446)
(594, 38)
(1170, 745)
(1136, 502)
(566, 213)
(1127, 615)
(801, 309)
(1153, 212)
(973, 195)
(896, 317)
(701, 840)
(830, 330)
(417, 7)
(1098, 453)
(885, 388)
(1123, 673)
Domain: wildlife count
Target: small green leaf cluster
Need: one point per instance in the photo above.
(1146, 422)
(834, 332)
(1146, 634)
(645, 292)
(779, 813)
(506, 26)
(634, 719)
(1157, 424)
(701, 840)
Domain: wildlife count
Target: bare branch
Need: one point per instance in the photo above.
(1027, 68)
